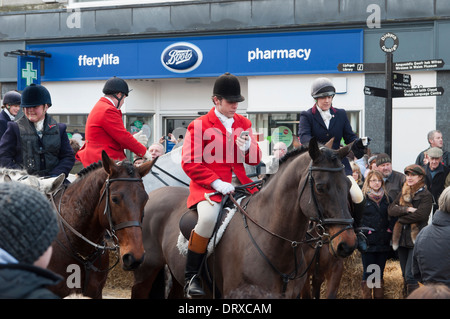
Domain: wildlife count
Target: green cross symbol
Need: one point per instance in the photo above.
(29, 73)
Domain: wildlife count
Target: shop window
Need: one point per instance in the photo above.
(75, 123)
(273, 127)
(136, 122)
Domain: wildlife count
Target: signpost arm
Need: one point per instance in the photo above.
(388, 107)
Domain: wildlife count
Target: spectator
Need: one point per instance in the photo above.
(155, 150)
(431, 257)
(279, 150)
(36, 142)
(357, 176)
(11, 106)
(393, 180)
(436, 174)
(376, 222)
(78, 166)
(371, 164)
(28, 226)
(105, 130)
(418, 213)
(431, 291)
(435, 139)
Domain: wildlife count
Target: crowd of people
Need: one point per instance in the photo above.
(392, 218)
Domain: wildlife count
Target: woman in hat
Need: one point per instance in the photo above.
(36, 142)
(412, 207)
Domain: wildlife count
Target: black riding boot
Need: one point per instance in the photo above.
(193, 282)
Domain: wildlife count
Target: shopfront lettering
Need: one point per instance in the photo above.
(278, 54)
(105, 59)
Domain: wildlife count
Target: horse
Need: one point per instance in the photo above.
(323, 266)
(262, 247)
(106, 198)
(45, 185)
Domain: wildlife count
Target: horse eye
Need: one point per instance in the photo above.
(321, 188)
(115, 199)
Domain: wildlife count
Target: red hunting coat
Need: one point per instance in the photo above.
(105, 131)
(210, 152)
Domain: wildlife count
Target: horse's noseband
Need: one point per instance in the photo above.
(131, 223)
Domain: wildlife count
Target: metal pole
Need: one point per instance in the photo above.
(388, 108)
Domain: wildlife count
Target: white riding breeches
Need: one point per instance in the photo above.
(207, 217)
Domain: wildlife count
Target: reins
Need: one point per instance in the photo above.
(88, 262)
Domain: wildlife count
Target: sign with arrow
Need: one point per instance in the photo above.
(419, 92)
(419, 65)
(361, 67)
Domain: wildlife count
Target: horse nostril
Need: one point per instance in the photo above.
(344, 250)
(129, 262)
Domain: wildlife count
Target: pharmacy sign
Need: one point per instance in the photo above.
(28, 71)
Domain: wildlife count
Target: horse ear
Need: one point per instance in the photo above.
(343, 151)
(329, 144)
(146, 167)
(313, 149)
(108, 164)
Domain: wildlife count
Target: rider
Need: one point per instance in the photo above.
(325, 122)
(213, 149)
(105, 129)
(36, 142)
(11, 107)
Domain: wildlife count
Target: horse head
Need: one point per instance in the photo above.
(327, 201)
(123, 208)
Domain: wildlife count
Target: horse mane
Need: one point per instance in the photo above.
(94, 166)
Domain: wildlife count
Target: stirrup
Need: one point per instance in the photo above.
(198, 290)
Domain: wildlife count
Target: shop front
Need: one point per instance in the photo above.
(172, 78)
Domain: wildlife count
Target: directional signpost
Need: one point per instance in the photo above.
(397, 84)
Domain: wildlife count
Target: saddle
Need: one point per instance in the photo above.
(190, 218)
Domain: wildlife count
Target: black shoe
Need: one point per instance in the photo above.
(193, 282)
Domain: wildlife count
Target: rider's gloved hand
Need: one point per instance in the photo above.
(141, 137)
(359, 146)
(222, 187)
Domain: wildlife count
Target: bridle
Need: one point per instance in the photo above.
(107, 211)
(320, 223)
(99, 249)
(320, 220)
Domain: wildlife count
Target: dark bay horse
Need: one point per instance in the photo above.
(310, 184)
(106, 197)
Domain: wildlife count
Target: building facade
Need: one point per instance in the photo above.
(171, 52)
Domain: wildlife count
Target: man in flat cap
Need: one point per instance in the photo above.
(437, 174)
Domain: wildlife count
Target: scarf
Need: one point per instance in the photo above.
(326, 116)
(227, 122)
(375, 196)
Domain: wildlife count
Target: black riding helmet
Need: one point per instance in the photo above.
(12, 98)
(116, 85)
(34, 95)
(228, 87)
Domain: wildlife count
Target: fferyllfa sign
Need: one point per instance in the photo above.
(251, 54)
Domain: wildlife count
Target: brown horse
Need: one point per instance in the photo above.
(323, 266)
(261, 247)
(105, 198)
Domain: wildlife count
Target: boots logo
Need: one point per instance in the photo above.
(181, 57)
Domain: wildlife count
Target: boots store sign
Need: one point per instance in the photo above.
(251, 54)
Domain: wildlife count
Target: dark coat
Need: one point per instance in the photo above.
(311, 124)
(436, 185)
(431, 256)
(23, 281)
(4, 119)
(423, 201)
(376, 216)
(11, 150)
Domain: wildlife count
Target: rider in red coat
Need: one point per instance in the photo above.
(213, 150)
(105, 129)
